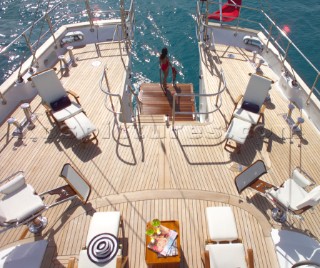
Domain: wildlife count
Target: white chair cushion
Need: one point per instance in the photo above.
(221, 224)
(300, 179)
(68, 112)
(312, 198)
(289, 195)
(103, 222)
(80, 126)
(247, 116)
(238, 130)
(85, 262)
(227, 255)
(13, 185)
(21, 205)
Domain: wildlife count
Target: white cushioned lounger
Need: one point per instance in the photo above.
(221, 224)
(101, 222)
(227, 255)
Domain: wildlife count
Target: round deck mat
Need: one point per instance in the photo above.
(96, 63)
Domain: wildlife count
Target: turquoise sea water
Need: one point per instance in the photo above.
(169, 23)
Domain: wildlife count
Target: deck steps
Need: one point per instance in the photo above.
(155, 102)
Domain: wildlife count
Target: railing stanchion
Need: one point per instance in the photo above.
(313, 88)
(51, 30)
(89, 14)
(173, 111)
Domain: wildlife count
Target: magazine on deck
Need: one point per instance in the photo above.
(164, 241)
(173, 250)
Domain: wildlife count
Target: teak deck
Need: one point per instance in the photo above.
(152, 171)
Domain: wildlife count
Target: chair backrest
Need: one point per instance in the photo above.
(250, 175)
(257, 89)
(300, 179)
(18, 182)
(221, 224)
(311, 199)
(76, 181)
(49, 86)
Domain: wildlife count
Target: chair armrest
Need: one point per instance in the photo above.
(205, 258)
(121, 261)
(75, 95)
(262, 108)
(72, 263)
(250, 261)
(47, 106)
(238, 99)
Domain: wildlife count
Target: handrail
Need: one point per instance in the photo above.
(217, 94)
(129, 18)
(306, 262)
(62, 17)
(110, 95)
(202, 26)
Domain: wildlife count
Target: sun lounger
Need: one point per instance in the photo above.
(104, 227)
(224, 249)
(65, 112)
(248, 110)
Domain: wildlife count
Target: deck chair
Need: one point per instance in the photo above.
(224, 241)
(250, 106)
(290, 196)
(104, 228)
(60, 108)
(20, 204)
(248, 110)
(23, 254)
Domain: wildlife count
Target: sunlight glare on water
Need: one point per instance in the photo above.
(167, 23)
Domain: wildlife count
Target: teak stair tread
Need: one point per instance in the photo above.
(156, 102)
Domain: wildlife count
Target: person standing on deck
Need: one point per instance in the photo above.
(164, 65)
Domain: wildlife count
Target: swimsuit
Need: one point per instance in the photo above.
(164, 66)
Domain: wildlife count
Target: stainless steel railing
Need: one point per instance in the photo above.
(48, 23)
(117, 111)
(263, 23)
(218, 101)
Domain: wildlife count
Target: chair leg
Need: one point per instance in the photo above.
(38, 224)
(87, 139)
(279, 215)
(236, 148)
